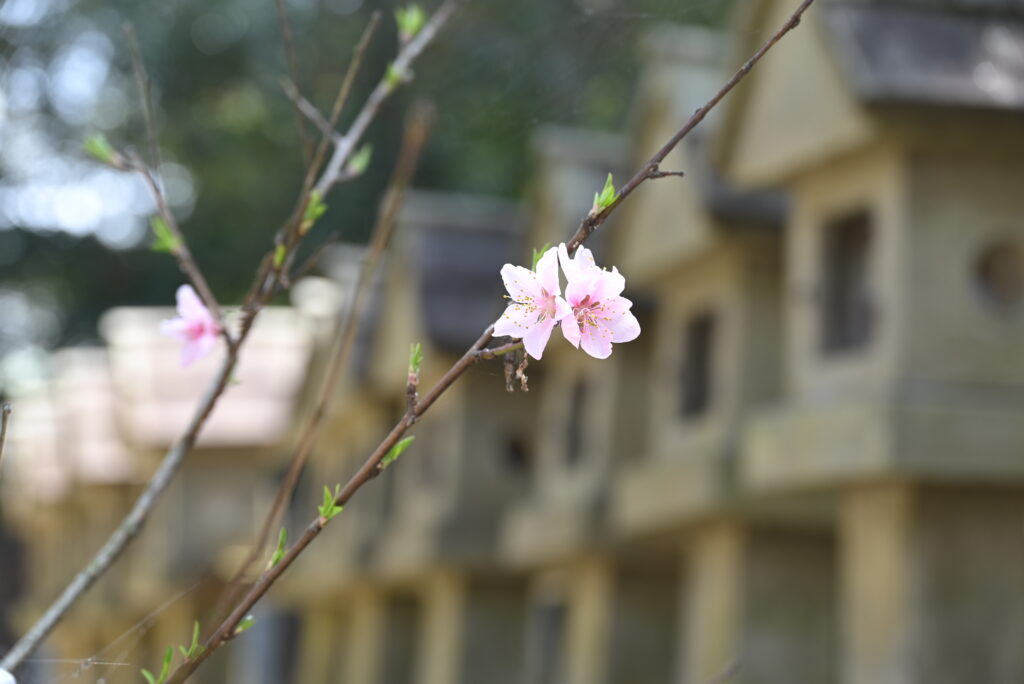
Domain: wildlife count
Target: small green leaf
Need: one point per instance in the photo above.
(607, 196)
(193, 647)
(315, 208)
(395, 452)
(394, 76)
(329, 509)
(280, 252)
(538, 253)
(166, 669)
(282, 539)
(163, 239)
(98, 148)
(247, 622)
(360, 161)
(415, 358)
(410, 20)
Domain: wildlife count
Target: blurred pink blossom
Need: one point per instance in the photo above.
(536, 305)
(195, 326)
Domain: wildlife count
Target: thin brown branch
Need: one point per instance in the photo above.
(181, 252)
(143, 84)
(416, 132)
(341, 98)
(5, 417)
(307, 109)
(596, 218)
(474, 354)
(658, 173)
(311, 262)
(293, 73)
(402, 64)
(150, 174)
(495, 352)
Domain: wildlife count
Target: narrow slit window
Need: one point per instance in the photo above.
(846, 313)
(696, 380)
(574, 437)
(545, 656)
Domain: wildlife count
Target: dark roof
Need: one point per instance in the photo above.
(725, 200)
(458, 248)
(932, 53)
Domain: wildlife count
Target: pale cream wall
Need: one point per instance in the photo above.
(961, 204)
(875, 180)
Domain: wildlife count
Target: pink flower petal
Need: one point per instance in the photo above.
(517, 321)
(577, 266)
(174, 327)
(571, 330)
(521, 283)
(596, 342)
(535, 341)
(562, 309)
(547, 272)
(190, 306)
(624, 329)
(577, 290)
(607, 284)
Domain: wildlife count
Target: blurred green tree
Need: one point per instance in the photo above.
(230, 133)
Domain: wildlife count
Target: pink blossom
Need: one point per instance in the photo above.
(536, 305)
(600, 315)
(195, 326)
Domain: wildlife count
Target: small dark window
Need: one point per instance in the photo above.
(546, 644)
(999, 272)
(516, 455)
(574, 438)
(846, 312)
(695, 381)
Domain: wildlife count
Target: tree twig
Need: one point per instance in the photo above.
(343, 150)
(293, 73)
(344, 91)
(150, 174)
(5, 417)
(416, 133)
(650, 169)
(307, 109)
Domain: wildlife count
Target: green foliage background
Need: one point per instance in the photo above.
(500, 70)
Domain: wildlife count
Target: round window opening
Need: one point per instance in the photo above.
(999, 272)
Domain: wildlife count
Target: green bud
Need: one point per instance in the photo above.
(394, 76)
(360, 161)
(315, 208)
(247, 622)
(410, 20)
(97, 147)
(163, 239)
(282, 539)
(329, 509)
(395, 452)
(606, 197)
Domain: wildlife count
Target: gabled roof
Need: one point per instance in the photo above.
(457, 248)
(951, 53)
